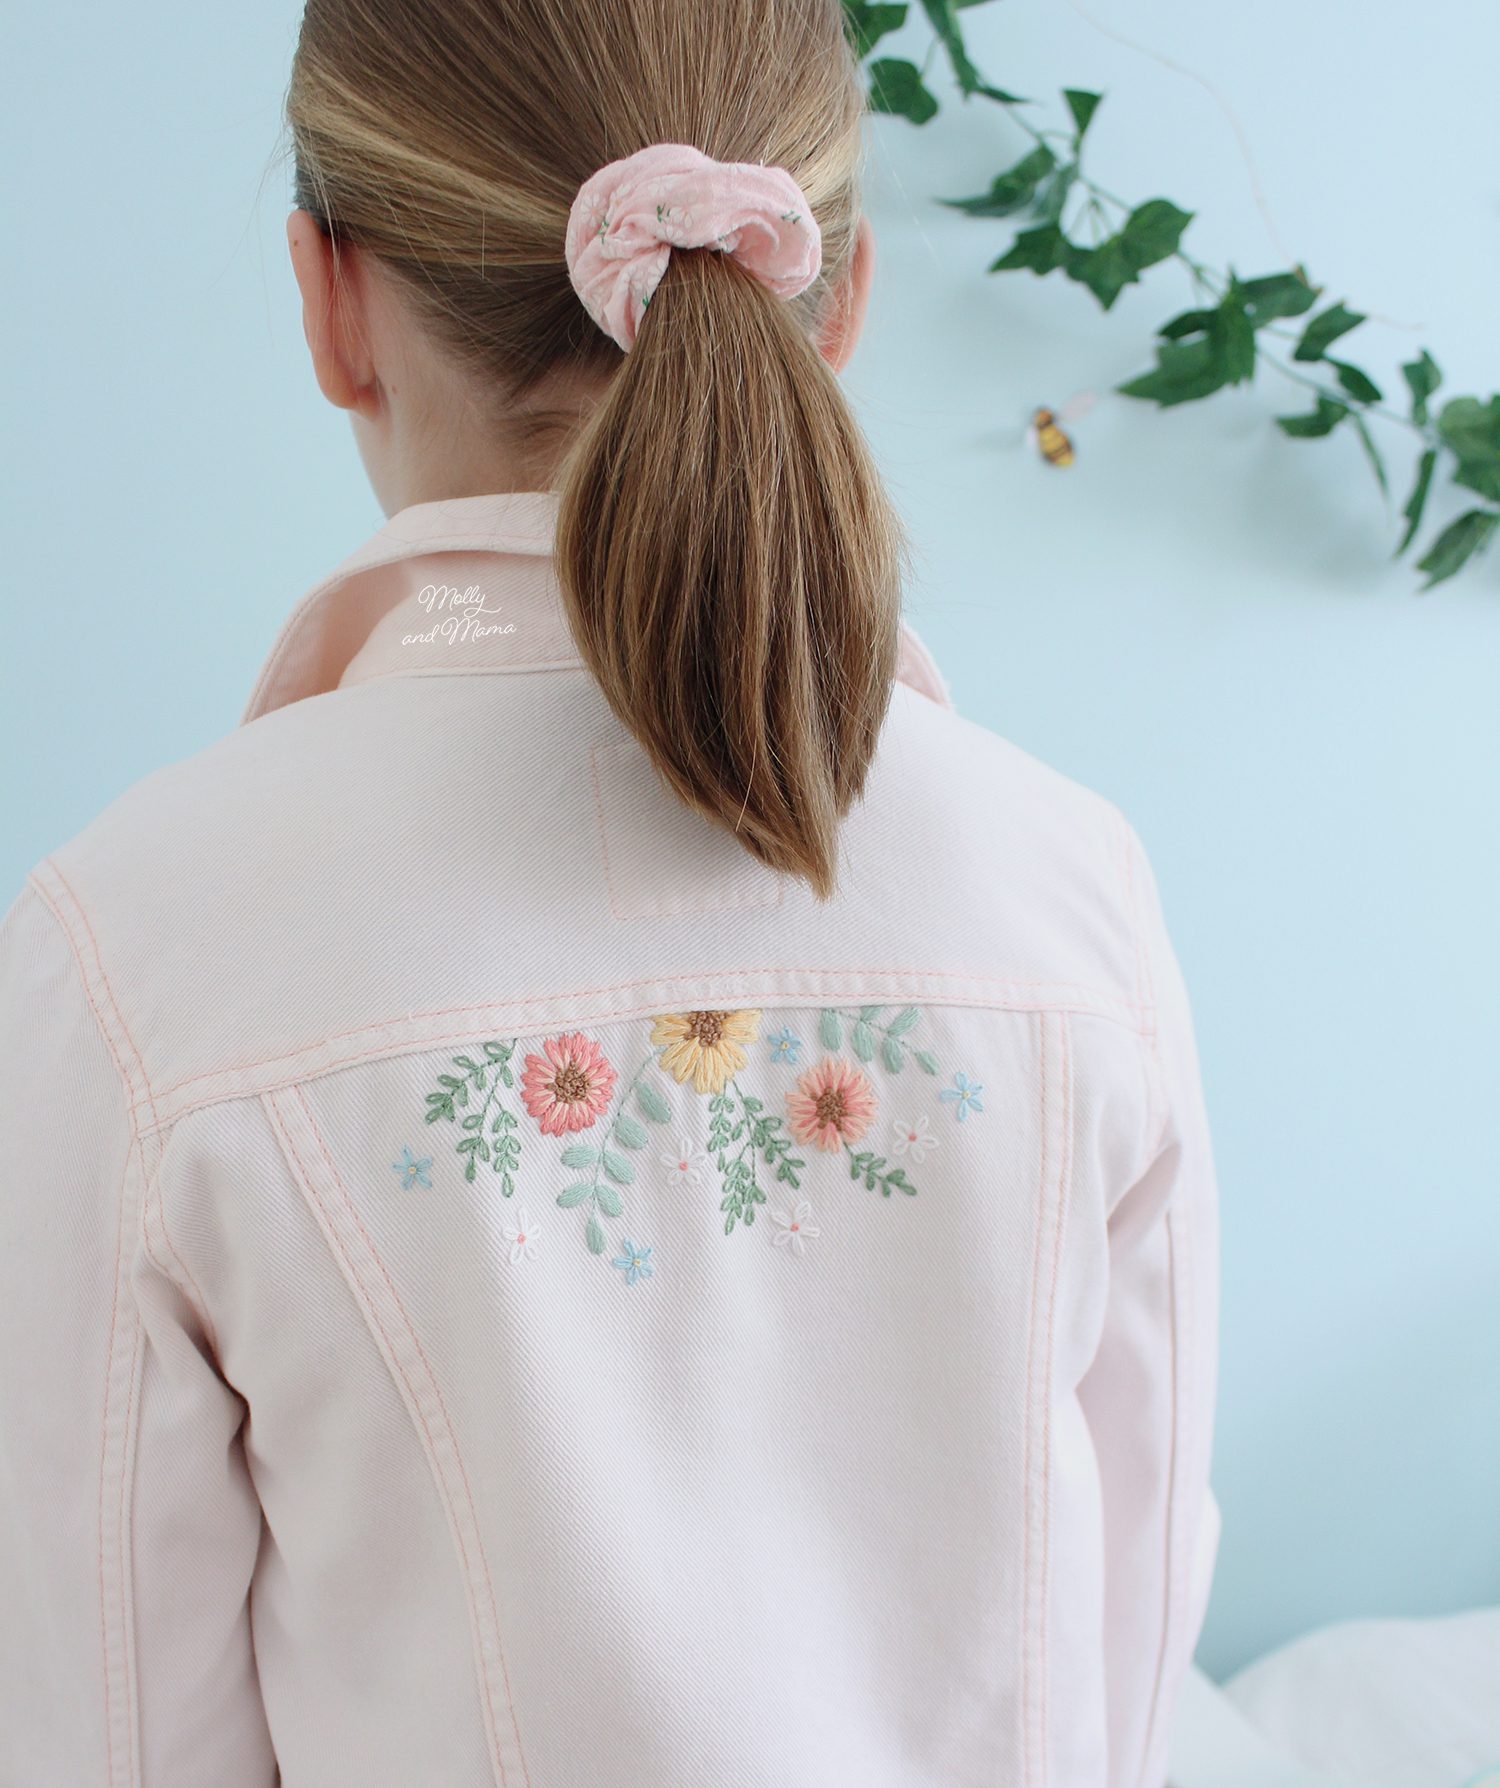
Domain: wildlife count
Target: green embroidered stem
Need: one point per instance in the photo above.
(893, 1045)
(594, 1193)
(759, 1134)
(877, 1176)
(501, 1146)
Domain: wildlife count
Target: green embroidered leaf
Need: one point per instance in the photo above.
(608, 1200)
(619, 1167)
(830, 1033)
(629, 1132)
(897, 1178)
(579, 1154)
(573, 1195)
(892, 1054)
(594, 1235)
(926, 1061)
(469, 1169)
(652, 1103)
(868, 1014)
(473, 1120)
(498, 1052)
(903, 1021)
(863, 1040)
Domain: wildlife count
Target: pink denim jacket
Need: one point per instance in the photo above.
(497, 1287)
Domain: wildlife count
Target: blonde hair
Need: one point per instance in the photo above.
(729, 560)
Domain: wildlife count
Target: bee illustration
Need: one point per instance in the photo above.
(1048, 436)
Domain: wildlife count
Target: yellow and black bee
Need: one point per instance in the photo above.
(1054, 445)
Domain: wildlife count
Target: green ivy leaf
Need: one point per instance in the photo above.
(892, 1055)
(1416, 503)
(1422, 378)
(942, 16)
(1011, 191)
(1035, 251)
(608, 1200)
(1372, 453)
(578, 1154)
(1052, 194)
(594, 1235)
(1358, 384)
(1322, 420)
(1082, 105)
(1185, 371)
(1472, 430)
(573, 1195)
(1150, 234)
(1457, 544)
(926, 1061)
(896, 89)
(1324, 330)
(866, 24)
(628, 1132)
(1276, 295)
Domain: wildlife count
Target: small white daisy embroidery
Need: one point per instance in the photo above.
(685, 1164)
(914, 1138)
(795, 1229)
(522, 1239)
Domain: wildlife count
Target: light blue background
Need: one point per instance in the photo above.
(1200, 620)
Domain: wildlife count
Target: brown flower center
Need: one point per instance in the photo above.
(830, 1107)
(706, 1027)
(570, 1084)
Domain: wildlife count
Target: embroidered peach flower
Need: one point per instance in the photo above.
(833, 1104)
(705, 1047)
(568, 1085)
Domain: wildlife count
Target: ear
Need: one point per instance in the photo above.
(842, 326)
(331, 314)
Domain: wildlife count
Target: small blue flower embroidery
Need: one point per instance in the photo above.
(634, 1263)
(411, 1171)
(784, 1046)
(963, 1095)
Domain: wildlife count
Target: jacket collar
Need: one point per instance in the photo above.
(463, 584)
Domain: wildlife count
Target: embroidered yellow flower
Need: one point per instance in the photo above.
(705, 1047)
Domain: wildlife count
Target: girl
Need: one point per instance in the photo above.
(606, 1194)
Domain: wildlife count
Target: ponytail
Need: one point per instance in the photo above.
(732, 566)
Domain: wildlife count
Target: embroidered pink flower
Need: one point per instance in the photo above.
(568, 1085)
(833, 1104)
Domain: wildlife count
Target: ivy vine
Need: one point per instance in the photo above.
(1066, 222)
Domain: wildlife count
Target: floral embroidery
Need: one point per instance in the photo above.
(490, 1132)
(963, 1095)
(568, 1085)
(833, 1105)
(522, 1238)
(685, 1163)
(912, 1136)
(705, 1047)
(634, 1262)
(412, 1172)
(794, 1229)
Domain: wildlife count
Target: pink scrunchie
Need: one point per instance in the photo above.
(629, 217)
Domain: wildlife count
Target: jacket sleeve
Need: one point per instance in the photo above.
(129, 1526)
(1148, 1396)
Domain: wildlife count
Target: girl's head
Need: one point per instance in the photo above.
(730, 563)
